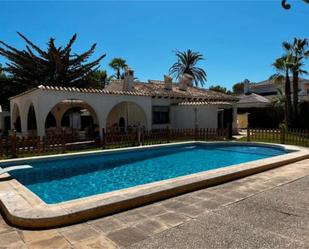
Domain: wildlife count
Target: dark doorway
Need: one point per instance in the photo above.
(17, 124)
(7, 123)
(227, 117)
(228, 120)
(50, 121)
(122, 124)
(31, 119)
(220, 118)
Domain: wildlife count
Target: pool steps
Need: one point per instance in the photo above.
(13, 168)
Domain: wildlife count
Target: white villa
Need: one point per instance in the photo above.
(121, 105)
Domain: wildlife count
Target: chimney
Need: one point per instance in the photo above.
(185, 81)
(168, 82)
(246, 86)
(189, 79)
(128, 79)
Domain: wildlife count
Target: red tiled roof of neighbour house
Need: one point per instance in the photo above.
(152, 89)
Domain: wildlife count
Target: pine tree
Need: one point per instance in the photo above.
(57, 66)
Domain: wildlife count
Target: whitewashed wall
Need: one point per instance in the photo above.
(184, 116)
(44, 101)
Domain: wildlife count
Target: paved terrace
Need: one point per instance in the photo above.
(267, 210)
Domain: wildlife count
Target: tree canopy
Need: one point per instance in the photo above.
(57, 66)
(100, 79)
(118, 64)
(238, 88)
(221, 89)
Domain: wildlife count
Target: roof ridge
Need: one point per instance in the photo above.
(146, 89)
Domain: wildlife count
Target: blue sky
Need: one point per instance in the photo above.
(239, 39)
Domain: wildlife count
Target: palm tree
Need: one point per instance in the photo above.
(279, 100)
(299, 52)
(283, 66)
(278, 104)
(118, 64)
(186, 64)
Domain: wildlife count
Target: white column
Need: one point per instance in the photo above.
(41, 118)
(23, 113)
(41, 127)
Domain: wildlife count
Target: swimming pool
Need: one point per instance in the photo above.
(70, 178)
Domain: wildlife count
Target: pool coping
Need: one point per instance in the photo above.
(23, 208)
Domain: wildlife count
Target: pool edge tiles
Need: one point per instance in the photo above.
(23, 208)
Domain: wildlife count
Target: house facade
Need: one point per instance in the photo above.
(268, 88)
(123, 104)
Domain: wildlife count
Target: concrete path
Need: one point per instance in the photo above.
(267, 210)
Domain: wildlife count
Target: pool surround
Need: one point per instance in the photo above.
(23, 208)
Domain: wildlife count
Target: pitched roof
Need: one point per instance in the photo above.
(253, 100)
(267, 83)
(157, 88)
(151, 89)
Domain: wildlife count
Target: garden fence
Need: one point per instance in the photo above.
(14, 146)
(280, 136)
(162, 136)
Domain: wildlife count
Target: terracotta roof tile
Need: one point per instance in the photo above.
(201, 103)
(152, 88)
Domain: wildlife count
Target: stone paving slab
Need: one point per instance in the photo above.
(216, 231)
(276, 218)
(266, 210)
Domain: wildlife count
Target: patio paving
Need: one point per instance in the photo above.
(266, 210)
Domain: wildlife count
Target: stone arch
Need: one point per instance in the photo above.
(128, 114)
(54, 121)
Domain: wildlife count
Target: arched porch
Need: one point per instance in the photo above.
(125, 116)
(74, 117)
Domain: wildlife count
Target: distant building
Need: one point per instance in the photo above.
(268, 88)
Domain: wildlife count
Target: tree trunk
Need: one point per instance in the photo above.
(288, 99)
(118, 73)
(295, 98)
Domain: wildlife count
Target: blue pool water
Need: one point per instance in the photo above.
(66, 179)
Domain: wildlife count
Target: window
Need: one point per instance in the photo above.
(160, 115)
